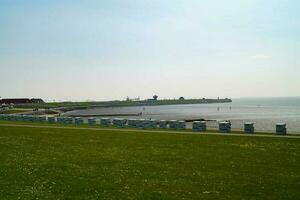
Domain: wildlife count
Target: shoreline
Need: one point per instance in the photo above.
(147, 130)
(98, 126)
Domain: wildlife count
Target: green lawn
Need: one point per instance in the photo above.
(47, 163)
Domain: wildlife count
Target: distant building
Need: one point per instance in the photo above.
(4, 107)
(154, 99)
(36, 100)
(21, 101)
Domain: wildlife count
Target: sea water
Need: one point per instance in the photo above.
(264, 112)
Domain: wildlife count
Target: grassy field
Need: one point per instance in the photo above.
(48, 163)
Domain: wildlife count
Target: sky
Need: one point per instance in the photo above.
(71, 50)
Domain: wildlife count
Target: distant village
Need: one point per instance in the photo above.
(8, 103)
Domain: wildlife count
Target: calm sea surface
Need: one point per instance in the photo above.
(264, 112)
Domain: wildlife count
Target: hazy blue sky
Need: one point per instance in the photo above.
(93, 49)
